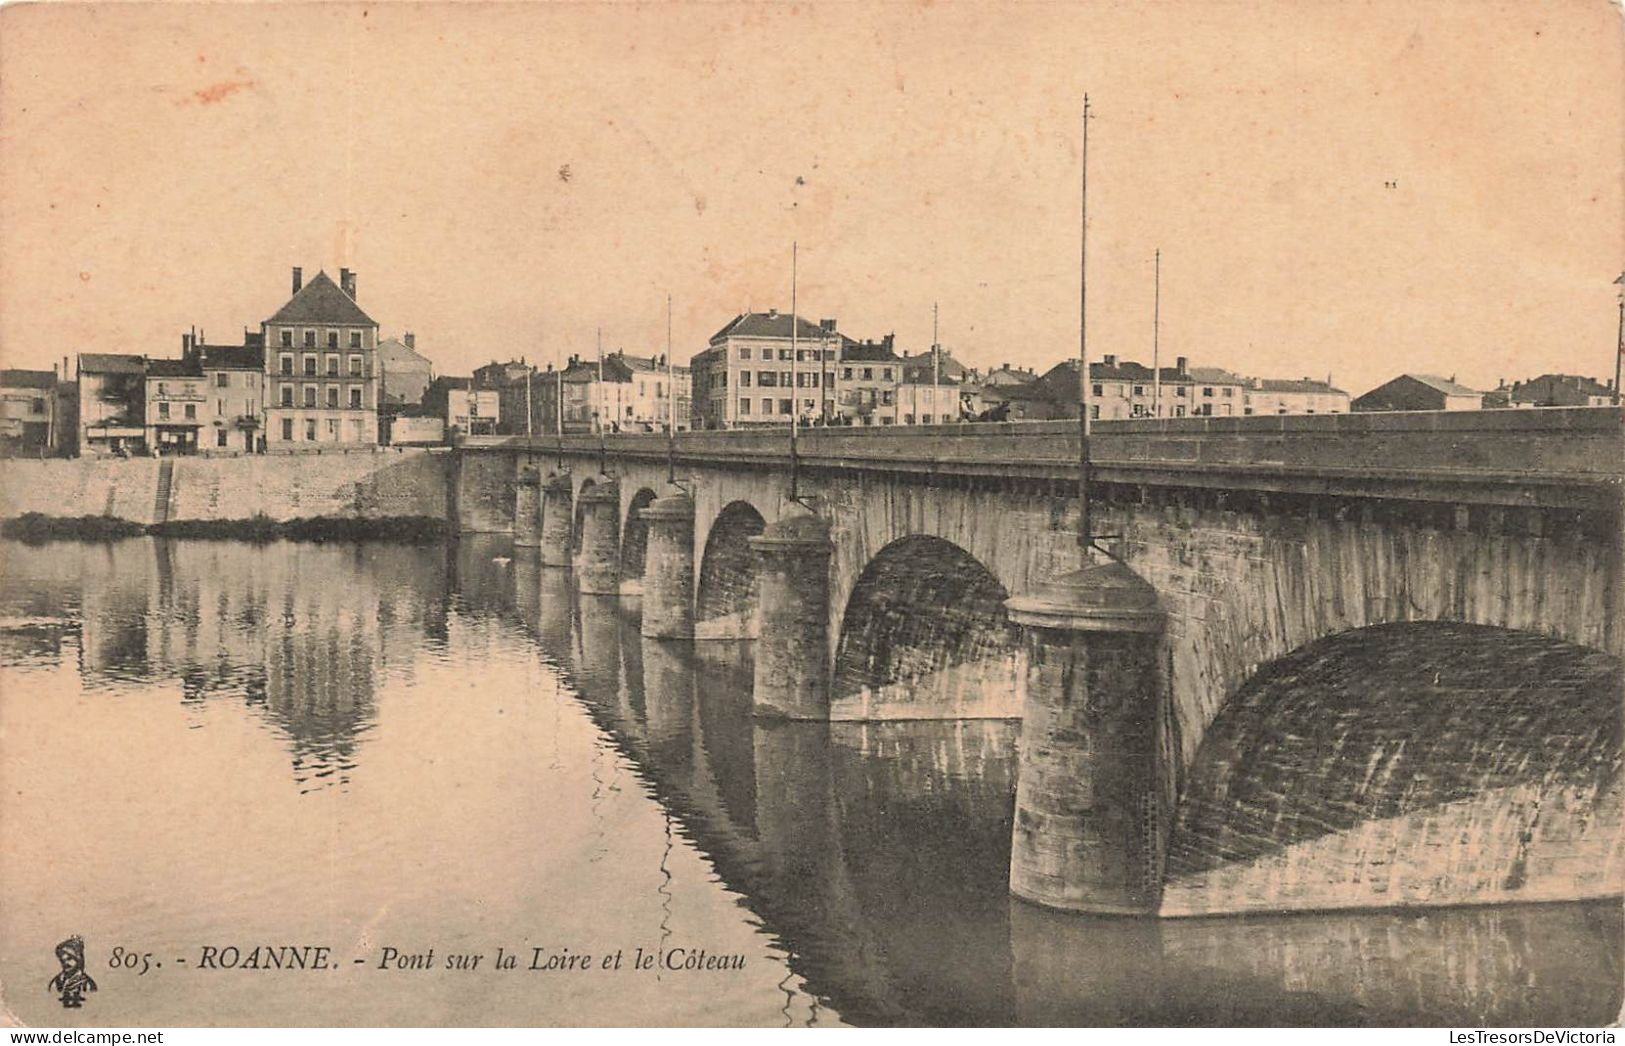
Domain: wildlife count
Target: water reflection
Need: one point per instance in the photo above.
(869, 859)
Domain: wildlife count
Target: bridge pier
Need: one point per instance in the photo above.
(1091, 826)
(668, 567)
(792, 613)
(527, 508)
(599, 567)
(557, 520)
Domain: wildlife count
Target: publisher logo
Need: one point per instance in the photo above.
(72, 983)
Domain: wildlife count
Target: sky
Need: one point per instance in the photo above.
(1346, 189)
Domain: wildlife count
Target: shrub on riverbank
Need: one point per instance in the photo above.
(37, 528)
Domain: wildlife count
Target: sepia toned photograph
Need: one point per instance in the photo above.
(812, 514)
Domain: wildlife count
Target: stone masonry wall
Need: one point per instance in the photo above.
(372, 485)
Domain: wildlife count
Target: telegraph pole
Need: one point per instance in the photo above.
(1619, 346)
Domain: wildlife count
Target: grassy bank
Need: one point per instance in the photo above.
(36, 528)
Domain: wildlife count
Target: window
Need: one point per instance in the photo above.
(310, 429)
(767, 406)
(744, 405)
(332, 366)
(784, 354)
(220, 437)
(222, 380)
(287, 365)
(767, 379)
(163, 410)
(1179, 411)
(785, 407)
(190, 411)
(287, 395)
(744, 379)
(1180, 392)
(908, 419)
(357, 434)
(310, 339)
(1094, 410)
(333, 429)
(163, 389)
(1207, 390)
(355, 397)
(868, 374)
(1139, 390)
(744, 352)
(310, 395)
(885, 374)
(1228, 392)
(355, 366)
(287, 430)
(332, 395)
(310, 366)
(355, 339)
(332, 339)
(287, 339)
(885, 421)
(846, 373)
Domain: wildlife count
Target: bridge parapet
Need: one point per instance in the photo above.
(1554, 457)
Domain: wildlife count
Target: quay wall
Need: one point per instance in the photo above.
(382, 484)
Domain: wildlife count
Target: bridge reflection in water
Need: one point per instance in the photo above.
(878, 853)
(874, 855)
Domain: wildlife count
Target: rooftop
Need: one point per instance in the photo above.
(232, 357)
(322, 301)
(28, 379)
(112, 363)
(771, 324)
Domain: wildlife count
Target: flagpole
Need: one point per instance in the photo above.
(671, 404)
(1084, 522)
(1156, 328)
(1619, 347)
(936, 360)
(795, 465)
(599, 413)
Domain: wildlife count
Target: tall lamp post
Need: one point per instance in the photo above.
(1619, 341)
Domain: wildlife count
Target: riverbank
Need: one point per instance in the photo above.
(37, 528)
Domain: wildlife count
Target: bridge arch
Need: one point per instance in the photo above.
(1411, 763)
(924, 635)
(726, 594)
(635, 535)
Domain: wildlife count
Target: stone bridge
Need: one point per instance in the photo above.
(1319, 662)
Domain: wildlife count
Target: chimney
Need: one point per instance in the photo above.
(772, 314)
(1110, 359)
(186, 346)
(410, 339)
(347, 282)
(827, 325)
(298, 278)
(1182, 366)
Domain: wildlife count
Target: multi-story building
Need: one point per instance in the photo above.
(464, 409)
(1285, 396)
(28, 409)
(1004, 375)
(936, 389)
(175, 405)
(234, 391)
(1561, 390)
(750, 375)
(1126, 389)
(866, 382)
(320, 368)
(403, 374)
(112, 404)
(1419, 392)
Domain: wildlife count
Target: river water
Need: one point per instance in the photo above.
(384, 750)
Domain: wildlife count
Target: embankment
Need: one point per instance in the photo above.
(281, 494)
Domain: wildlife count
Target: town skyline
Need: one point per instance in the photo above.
(1258, 161)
